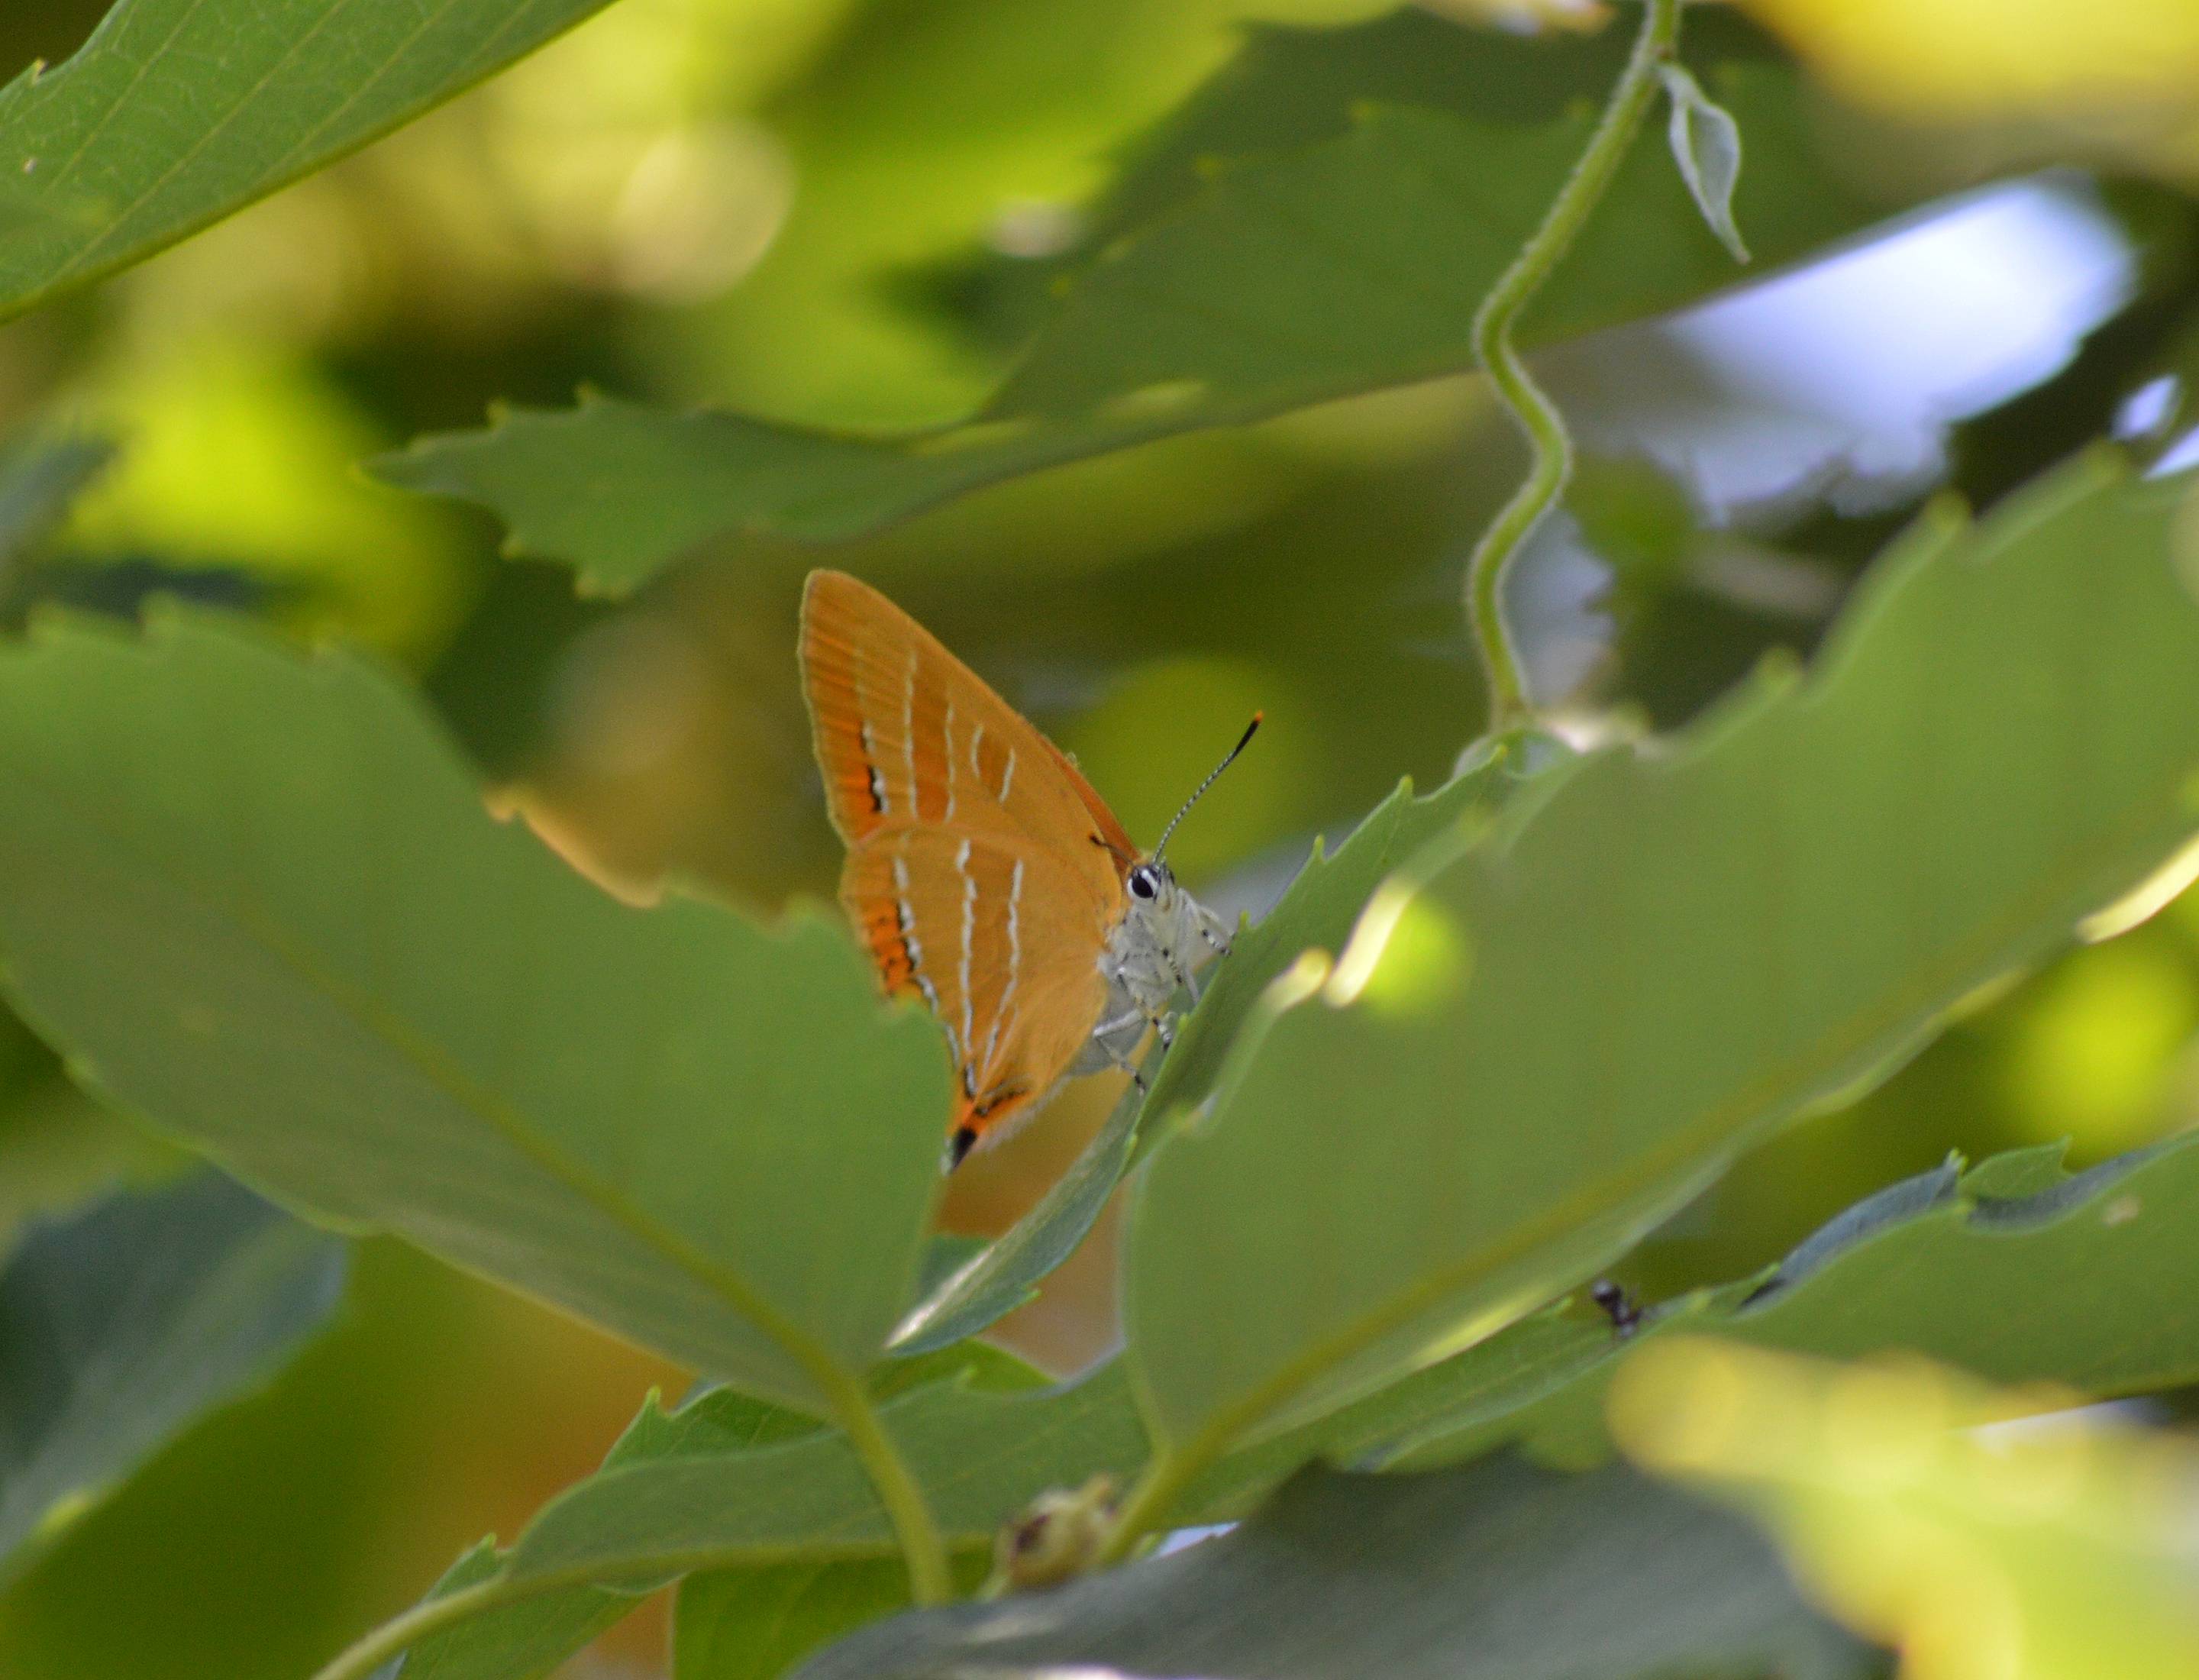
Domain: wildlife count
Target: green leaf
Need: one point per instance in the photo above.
(1005, 1274)
(531, 1632)
(945, 1256)
(1289, 88)
(25, 213)
(775, 1513)
(178, 111)
(531, 1636)
(756, 1624)
(121, 1326)
(524, 1641)
(1504, 1570)
(1319, 908)
(1706, 144)
(1582, 1018)
(255, 896)
(2080, 1284)
(980, 1455)
(2076, 1283)
(1351, 263)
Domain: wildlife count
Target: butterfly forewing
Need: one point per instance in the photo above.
(984, 872)
(905, 732)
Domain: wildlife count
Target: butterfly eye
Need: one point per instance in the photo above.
(1143, 884)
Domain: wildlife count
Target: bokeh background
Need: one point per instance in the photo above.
(816, 209)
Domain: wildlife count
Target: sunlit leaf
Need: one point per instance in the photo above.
(2054, 1549)
(1669, 955)
(1285, 277)
(1501, 1570)
(176, 112)
(255, 896)
(121, 1326)
(1943, 59)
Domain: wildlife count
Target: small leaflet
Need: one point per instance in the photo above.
(1706, 145)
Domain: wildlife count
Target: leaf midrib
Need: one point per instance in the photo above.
(445, 1074)
(1601, 1197)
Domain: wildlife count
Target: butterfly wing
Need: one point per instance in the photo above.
(905, 732)
(995, 942)
(984, 871)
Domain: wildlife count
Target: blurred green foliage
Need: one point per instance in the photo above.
(850, 213)
(122, 1324)
(1932, 1515)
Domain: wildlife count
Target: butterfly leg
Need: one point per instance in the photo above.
(1117, 1036)
(1180, 970)
(1213, 930)
(1106, 1049)
(1133, 1017)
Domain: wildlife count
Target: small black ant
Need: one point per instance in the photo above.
(1619, 1304)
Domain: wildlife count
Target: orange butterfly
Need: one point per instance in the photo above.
(983, 870)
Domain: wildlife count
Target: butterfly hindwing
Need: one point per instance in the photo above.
(976, 930)
(984, 871)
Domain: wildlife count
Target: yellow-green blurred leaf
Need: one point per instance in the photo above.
(239, 456)
(1909, 1505)
(1949, 58)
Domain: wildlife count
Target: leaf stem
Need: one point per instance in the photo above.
(431, 1616)
(922, 1547)
(1551, 445)
(930, 1580)
(1172, 1470)
(1156, 1491)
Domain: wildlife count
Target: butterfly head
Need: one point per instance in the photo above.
(1161, 915)
(1164, 937)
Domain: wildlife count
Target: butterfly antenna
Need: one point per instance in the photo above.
(1242, 741)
